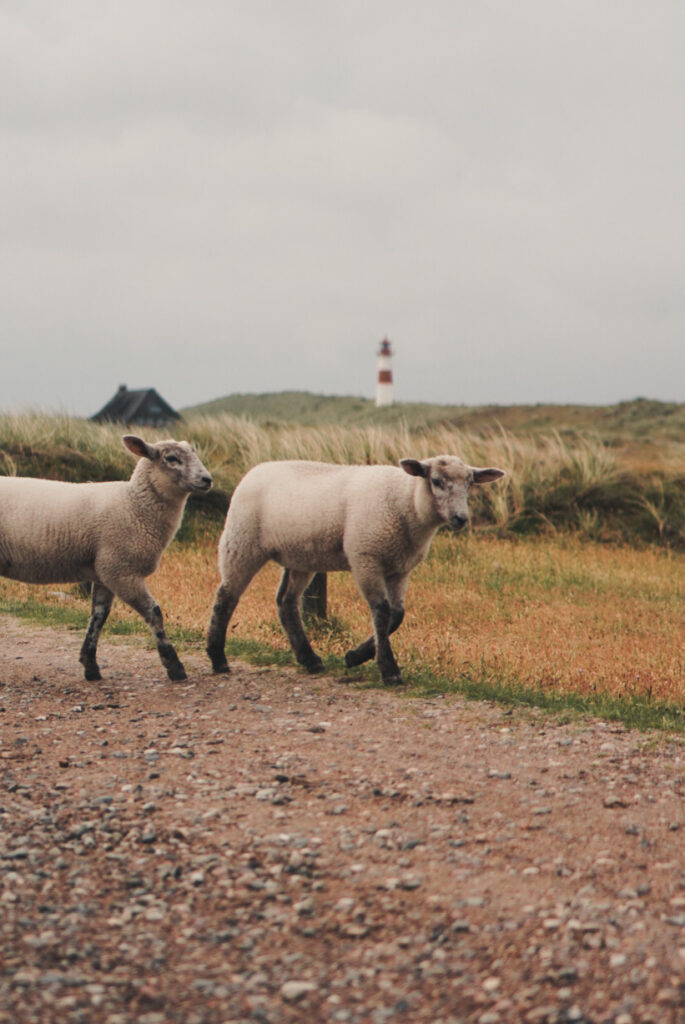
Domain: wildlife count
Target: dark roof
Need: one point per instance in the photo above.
(144, 406)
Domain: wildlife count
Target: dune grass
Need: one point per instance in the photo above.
(554, 483)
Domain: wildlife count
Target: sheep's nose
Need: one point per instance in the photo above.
(206, 481)
(459, 520)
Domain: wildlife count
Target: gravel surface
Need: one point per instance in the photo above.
(264, 847)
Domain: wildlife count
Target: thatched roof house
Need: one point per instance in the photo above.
(143, 408)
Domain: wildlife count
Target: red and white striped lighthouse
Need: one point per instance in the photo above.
(384, 389)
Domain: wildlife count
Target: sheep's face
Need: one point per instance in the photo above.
(176, 462)
(449, 481)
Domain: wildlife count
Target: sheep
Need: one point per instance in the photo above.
(376, 521)
(112, 534)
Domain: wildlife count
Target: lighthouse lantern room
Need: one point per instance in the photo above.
(384, 387)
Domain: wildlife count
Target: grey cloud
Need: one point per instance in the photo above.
(273, 188)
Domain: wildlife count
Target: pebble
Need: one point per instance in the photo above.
(678, 920)
(614, 801)
(292, 991)
(305, 907)
(410, 882)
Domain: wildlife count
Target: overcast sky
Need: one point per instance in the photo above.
(240, 195)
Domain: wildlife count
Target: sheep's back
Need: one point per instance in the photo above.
(49, 529)
(306, 515)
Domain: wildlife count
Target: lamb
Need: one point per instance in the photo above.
(376, 521)
(112, 534)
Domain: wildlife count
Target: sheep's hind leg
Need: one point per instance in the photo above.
(225, 604)
(101, 604)
(236, 577)
(293, 585)
(135, 593)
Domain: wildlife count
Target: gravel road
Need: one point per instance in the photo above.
(264, 847)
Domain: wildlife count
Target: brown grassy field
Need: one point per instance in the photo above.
(554, 613)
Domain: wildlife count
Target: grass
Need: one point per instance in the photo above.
(553, 621)
(570, 482)
(567, 595)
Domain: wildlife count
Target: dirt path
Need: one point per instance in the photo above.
(267, 848)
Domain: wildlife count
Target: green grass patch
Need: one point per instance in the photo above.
(634, 711)
(76, 617)
(259, 653)
(67, 616)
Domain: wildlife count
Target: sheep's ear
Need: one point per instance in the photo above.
(139, 447)
(414, 467)
(486, 476)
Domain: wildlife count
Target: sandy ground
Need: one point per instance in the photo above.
(264, 847)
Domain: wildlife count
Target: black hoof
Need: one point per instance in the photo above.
(315, 667)
(221, 670)
(177, 673)
(92, 674)
(393, 680)
(358, 655)
(217, 656)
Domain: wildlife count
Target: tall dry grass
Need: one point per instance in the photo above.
(553, 483)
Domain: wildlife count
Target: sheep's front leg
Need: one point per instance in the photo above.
(101, 603)
(367, 650)
(370, 581)
(388, 667)
(135, 593)
(396, 589)
(293, 585)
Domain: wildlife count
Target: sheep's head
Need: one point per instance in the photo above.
(450, 480)
(176, 461)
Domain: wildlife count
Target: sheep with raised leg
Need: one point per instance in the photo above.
(375, 521)
(112, 534)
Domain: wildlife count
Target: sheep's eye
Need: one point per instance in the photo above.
(437, 482)
(173, 460)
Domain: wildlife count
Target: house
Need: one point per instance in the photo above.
(143, 407)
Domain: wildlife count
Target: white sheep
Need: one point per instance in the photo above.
(112, 534)
(376, 521)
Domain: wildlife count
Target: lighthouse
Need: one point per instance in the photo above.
(384, 390)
